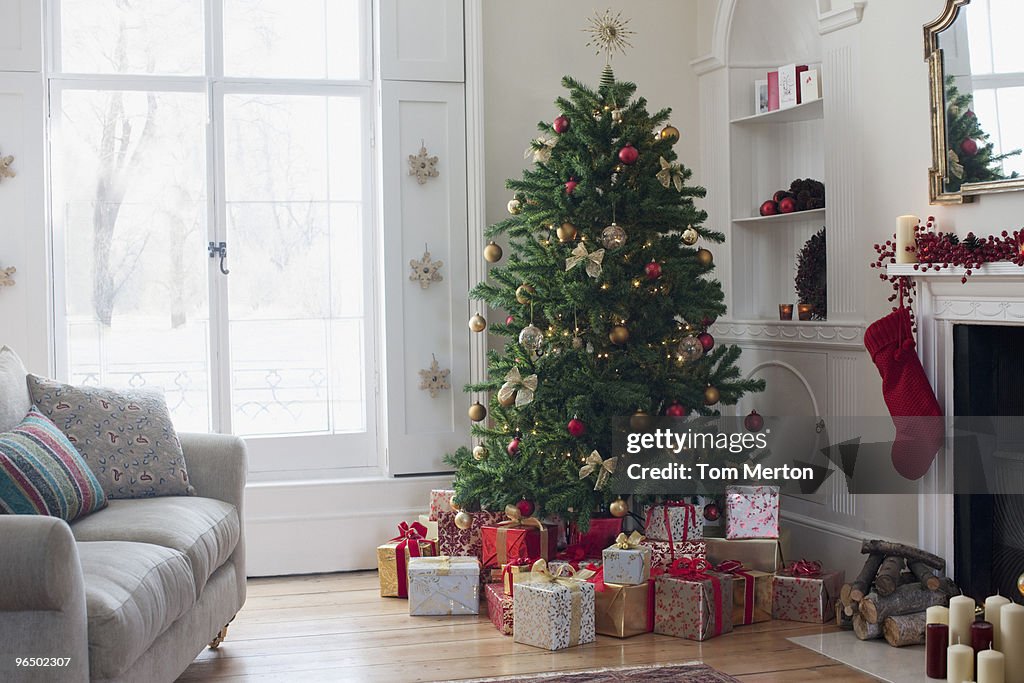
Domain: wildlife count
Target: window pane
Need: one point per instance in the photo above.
(130, 190)
(132, 36)
(293, 38)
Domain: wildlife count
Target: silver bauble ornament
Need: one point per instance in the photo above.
(532, 338)
(613, 236)
(690, 349)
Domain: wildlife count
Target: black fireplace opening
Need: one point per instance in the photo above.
(988, 376)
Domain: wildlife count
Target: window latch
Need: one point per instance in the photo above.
(219, 249)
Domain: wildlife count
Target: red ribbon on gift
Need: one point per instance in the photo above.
(689, 517)
(736, 568)
(506, 571)
(414, 532)
(696, 569)
(574, 554)
(598, 578)
(804, 568)
(651, 583)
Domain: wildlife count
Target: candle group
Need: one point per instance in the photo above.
(1011, 626)
(906, 239)
(991, 667)
(958, 647)
(961, 616)
(960, 663)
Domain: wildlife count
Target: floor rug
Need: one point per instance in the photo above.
(660, 673)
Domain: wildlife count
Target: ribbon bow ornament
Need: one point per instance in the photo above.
(670, 174)
(631, 542)
(515, 518)
(955, 167)
(804, 568)
(520, 387)
(593, 260)
(540, 149)
(730, 567)
(563, 574)
(412, 532)
(604, 468)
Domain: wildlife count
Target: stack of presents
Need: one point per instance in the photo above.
(676, 576)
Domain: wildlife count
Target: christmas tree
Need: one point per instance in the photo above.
(970, 157)
(610, 297)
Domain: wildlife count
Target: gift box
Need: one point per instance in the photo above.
(663, 553)
(553, 611)
(517, 537)
(623, 611)
(751, 512)
(499, 608)
(431, 526)
(751, 593)
(597, 537)
(674, 521)
(761, 554)
(440, 502)
(456, 542)
(627, 561)
(692, 602)
(506, 575)
(393, 558)
(439, 586)
(805, 592)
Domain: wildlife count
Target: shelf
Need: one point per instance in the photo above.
(808, 111)
(794, 217)
(1005, 269)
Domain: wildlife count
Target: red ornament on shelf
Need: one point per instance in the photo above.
(525, 507)
(570, 186)
(560, 124)
(576, 427)
(628, 155)
(969, 147)
(676, 410)
(787, 205)
(653, 270)
(711, 512)
(513, 447)
(753, 422)
(706, 340)
(769, 208)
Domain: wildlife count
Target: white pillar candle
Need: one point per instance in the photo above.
(993, 607)
(961, 615)
(990, 666)
(1011, 622)
(960, 663)
(937, 614)
(906, 237)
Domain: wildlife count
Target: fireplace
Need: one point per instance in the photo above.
(988, 530)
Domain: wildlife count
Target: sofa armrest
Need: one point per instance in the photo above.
(217, 466)
(39, 568)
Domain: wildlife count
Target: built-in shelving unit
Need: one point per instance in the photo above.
(807, 111)
(816, 214)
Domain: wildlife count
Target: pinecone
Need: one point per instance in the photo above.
(971, 241)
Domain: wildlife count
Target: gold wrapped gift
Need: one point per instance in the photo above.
(621, 610)
(391, 586)
(751, 593)
(762, 554)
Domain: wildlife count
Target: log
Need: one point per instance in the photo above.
(860, 586)
(905, 629)
(843, 620)
(907, 576)
(865, 631)
(851, 609)
(906, 599)
(925, 575)
(901, 550)
(888, 577)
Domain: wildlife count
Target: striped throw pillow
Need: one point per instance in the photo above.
(41, 473)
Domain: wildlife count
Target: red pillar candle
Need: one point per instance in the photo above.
(981, 637)
(936, 639)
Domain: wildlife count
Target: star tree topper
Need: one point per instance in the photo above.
(608, 33)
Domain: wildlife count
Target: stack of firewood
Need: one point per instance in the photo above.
(889, 597)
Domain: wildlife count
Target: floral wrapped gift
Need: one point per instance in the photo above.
(393, 558)
(663, 553)
(751, 593)
(431, 526)
(444, 585)
(762, 554)
(751, 512)
(453, 541)
(805, 592)
(627, 561)
(517, 537)
(623, 611)
(674, 521)
(597, 537)
(692, 602)
(554, 611)
(499, 608)
(440, 501)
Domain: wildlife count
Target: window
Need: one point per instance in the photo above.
(181, 125)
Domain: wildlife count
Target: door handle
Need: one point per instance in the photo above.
(219, 249)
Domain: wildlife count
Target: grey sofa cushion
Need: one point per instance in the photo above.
(133, 593)
(204, 530)
(14, 399)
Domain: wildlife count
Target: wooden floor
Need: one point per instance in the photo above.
(335, 627)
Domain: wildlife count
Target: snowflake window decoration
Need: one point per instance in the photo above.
(434, 379)
(7, 276)
(423, 166)
(5, 167)
(425, 270)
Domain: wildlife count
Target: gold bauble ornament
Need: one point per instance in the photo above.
(515, 207)
(566, 232)
(507, 400)
(1020, 584)
(640, 421)
(479, 453)
(711, 396)
(463, 520)
(690, 236)
(478, 323)
(453, 504)
(619, 335)
(670, 133)
(618, 508)
(492, 253)
(524, 292)
(477, 412)
(705, 257)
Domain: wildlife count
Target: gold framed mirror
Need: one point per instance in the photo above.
(976, 86)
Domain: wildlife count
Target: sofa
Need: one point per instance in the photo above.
(134, 591)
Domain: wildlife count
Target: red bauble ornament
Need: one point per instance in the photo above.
(753, 422)
(769, 208)
(706, 322)
(653, 270)
(676, 410)
(525, 507)
(576, 427)
(780, 195)
(706, 340)
(570, 186)
(560, 124)
(628, 155)
(513, 447)
(787, 205)
(969, 147)
(509, 320)
(711, 512)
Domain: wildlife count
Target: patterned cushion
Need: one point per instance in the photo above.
(126, 436)
(41, 473)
